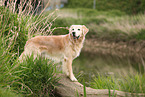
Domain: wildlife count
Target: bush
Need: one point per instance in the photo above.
(38, 76)
(30, 78)
(35, 78)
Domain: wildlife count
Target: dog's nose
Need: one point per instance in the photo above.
(73, 33)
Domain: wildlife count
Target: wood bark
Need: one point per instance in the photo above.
(67, 88)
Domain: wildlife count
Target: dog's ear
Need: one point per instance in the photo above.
(85, 30)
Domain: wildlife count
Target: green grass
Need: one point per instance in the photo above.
(30, 78)
(8, 93)
(109, 25)
(128, 6)
(102, 71)
(87, 12)
(132, 84)
(85, 95)
(22, 26)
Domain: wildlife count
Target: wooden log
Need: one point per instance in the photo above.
(67, 88)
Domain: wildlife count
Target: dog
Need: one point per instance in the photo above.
(60, 48)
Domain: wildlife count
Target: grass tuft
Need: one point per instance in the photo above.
(132, 84)
(8, 93)
(30, 78)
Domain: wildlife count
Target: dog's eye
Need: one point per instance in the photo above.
(78, 29)
(72, 29)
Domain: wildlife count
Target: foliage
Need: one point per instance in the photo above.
(35, 78)
(111, 26)
(13, 26)
(140, 35)
(19, 27)
(88, 12)
(8, 93)
(84, 86)
(133, 84)
(30, 78)
(38, 76)
(128, 6)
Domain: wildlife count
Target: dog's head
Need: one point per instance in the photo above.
(77, 31)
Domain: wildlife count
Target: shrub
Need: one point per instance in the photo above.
(30, 78)
(35, 78)
(38, 76)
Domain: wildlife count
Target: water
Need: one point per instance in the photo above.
(89, 64)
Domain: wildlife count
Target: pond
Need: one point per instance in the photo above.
(90, 64)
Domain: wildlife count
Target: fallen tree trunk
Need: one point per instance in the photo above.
(67, 88)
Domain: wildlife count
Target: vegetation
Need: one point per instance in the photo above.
(110, 72)
(32, 77)
(37, 78)
(132, 84)
(110, 25)
(8, 93)
(128, 6)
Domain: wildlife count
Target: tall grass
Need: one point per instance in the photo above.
(23, 25)
(30, 78)
(132, 83)
(8, 93)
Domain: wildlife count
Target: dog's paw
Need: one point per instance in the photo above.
(73, 79)
(67, 73)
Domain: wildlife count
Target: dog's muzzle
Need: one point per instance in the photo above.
(74, 35)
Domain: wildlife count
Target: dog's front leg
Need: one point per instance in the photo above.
(67, 69)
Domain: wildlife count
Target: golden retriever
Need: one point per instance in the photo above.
(60, 48)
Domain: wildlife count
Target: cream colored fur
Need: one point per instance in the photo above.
(60, 48)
